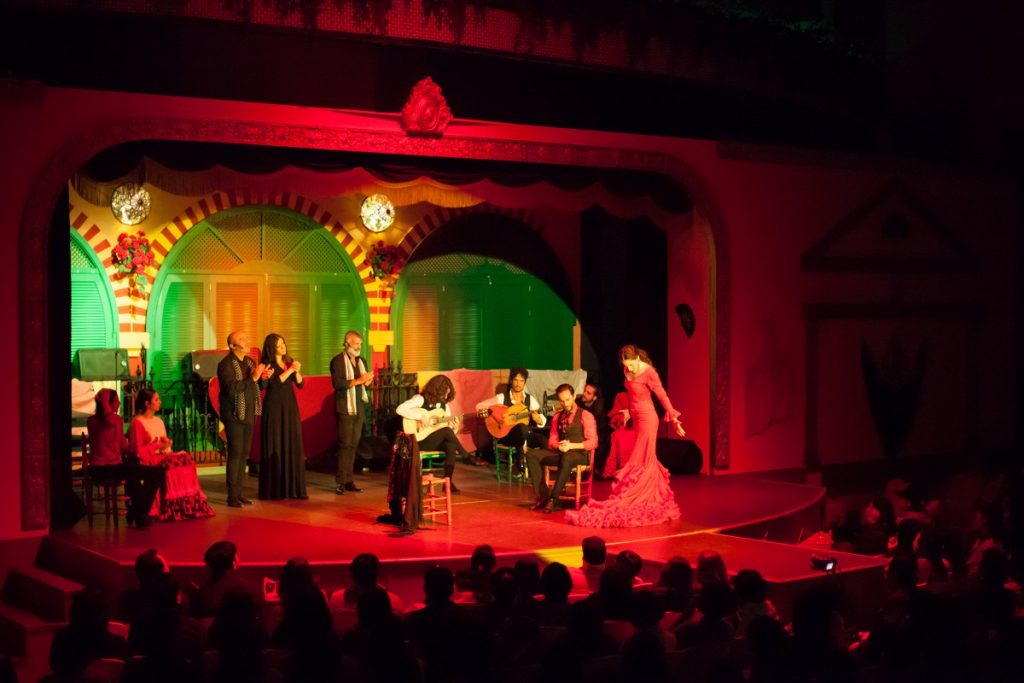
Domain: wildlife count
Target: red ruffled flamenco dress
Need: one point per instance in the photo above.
(641, 494)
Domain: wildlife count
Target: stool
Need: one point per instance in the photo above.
(433, 498)
(432, 460)
(507, 456)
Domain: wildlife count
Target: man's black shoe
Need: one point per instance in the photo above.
(245, 501)
(538, 504)
(549, 507)
(351, 486)
(456, 489)
(234, 503)
(340, 489)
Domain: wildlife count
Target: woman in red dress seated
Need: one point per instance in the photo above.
(104, 459)
(181, 497)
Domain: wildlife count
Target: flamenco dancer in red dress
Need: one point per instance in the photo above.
(641, 494)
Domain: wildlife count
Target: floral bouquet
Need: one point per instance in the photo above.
(386, 260)
(132, 255)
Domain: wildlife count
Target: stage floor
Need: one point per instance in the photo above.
(329, 528)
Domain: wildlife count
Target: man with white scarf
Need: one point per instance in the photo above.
(349, 377)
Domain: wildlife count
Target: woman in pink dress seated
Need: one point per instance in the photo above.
(181, 497)
(641, 493)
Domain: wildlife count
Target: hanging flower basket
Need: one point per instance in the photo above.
(386, 262)
(132, 256)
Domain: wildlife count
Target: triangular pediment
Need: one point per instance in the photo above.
(892, 232)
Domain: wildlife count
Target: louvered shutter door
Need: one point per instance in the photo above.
(549, 327)
(237, 306)
(335, 317)
(420, 329)
(181, 330)
(289, 317)
(460, 327)
(91, 324)
(504, 339)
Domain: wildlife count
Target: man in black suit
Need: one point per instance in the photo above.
(238, 374)
(349, 377)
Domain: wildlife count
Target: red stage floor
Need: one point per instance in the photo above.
(333, 529)
(330, 530)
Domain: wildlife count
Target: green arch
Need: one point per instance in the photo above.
(267, 248)
(94, 322)
(491, 314)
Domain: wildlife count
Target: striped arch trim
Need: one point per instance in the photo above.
(131, 311)
(432, 221)
(166, 238)
(176, 228)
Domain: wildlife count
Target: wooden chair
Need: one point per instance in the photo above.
(506, 457)
(432, 460)
(580, 484)
(433, 498)
(79, 444)
(111, 492)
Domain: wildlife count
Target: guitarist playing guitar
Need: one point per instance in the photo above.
(508, 416)
(429, 409)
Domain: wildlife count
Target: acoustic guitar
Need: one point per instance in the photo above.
(500, 419)
(436, 419)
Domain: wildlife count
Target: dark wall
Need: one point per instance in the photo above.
(623, 294)
(235, 61)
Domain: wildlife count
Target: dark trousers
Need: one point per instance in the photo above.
(520, 434)
(538, 457)
(444, 439)
(239, 435)
(350, 431)
(141, 483)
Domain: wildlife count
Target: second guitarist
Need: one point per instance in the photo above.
(438, 392)
(518, 400)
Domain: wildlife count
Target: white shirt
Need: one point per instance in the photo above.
(500, 400)
(413, 408)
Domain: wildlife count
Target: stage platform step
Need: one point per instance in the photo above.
(23, 634)
(40, 592)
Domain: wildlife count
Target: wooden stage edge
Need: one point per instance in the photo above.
(751, 522)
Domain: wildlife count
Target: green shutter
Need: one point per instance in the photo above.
(476, 312)
(419, 328)
(289, 317)
(505, 331)
(181, 330)
(460, 334)
(336, 316)
(266, 270)
(237, 306)
(91, 323)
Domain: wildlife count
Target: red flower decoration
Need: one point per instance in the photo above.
(132, 256)
(386, 260)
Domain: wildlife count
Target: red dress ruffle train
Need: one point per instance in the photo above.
(641, 494)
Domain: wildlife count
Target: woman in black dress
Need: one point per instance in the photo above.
(282, 459)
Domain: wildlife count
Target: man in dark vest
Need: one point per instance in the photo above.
(349, 377)
(238, 374)
(573, 436)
